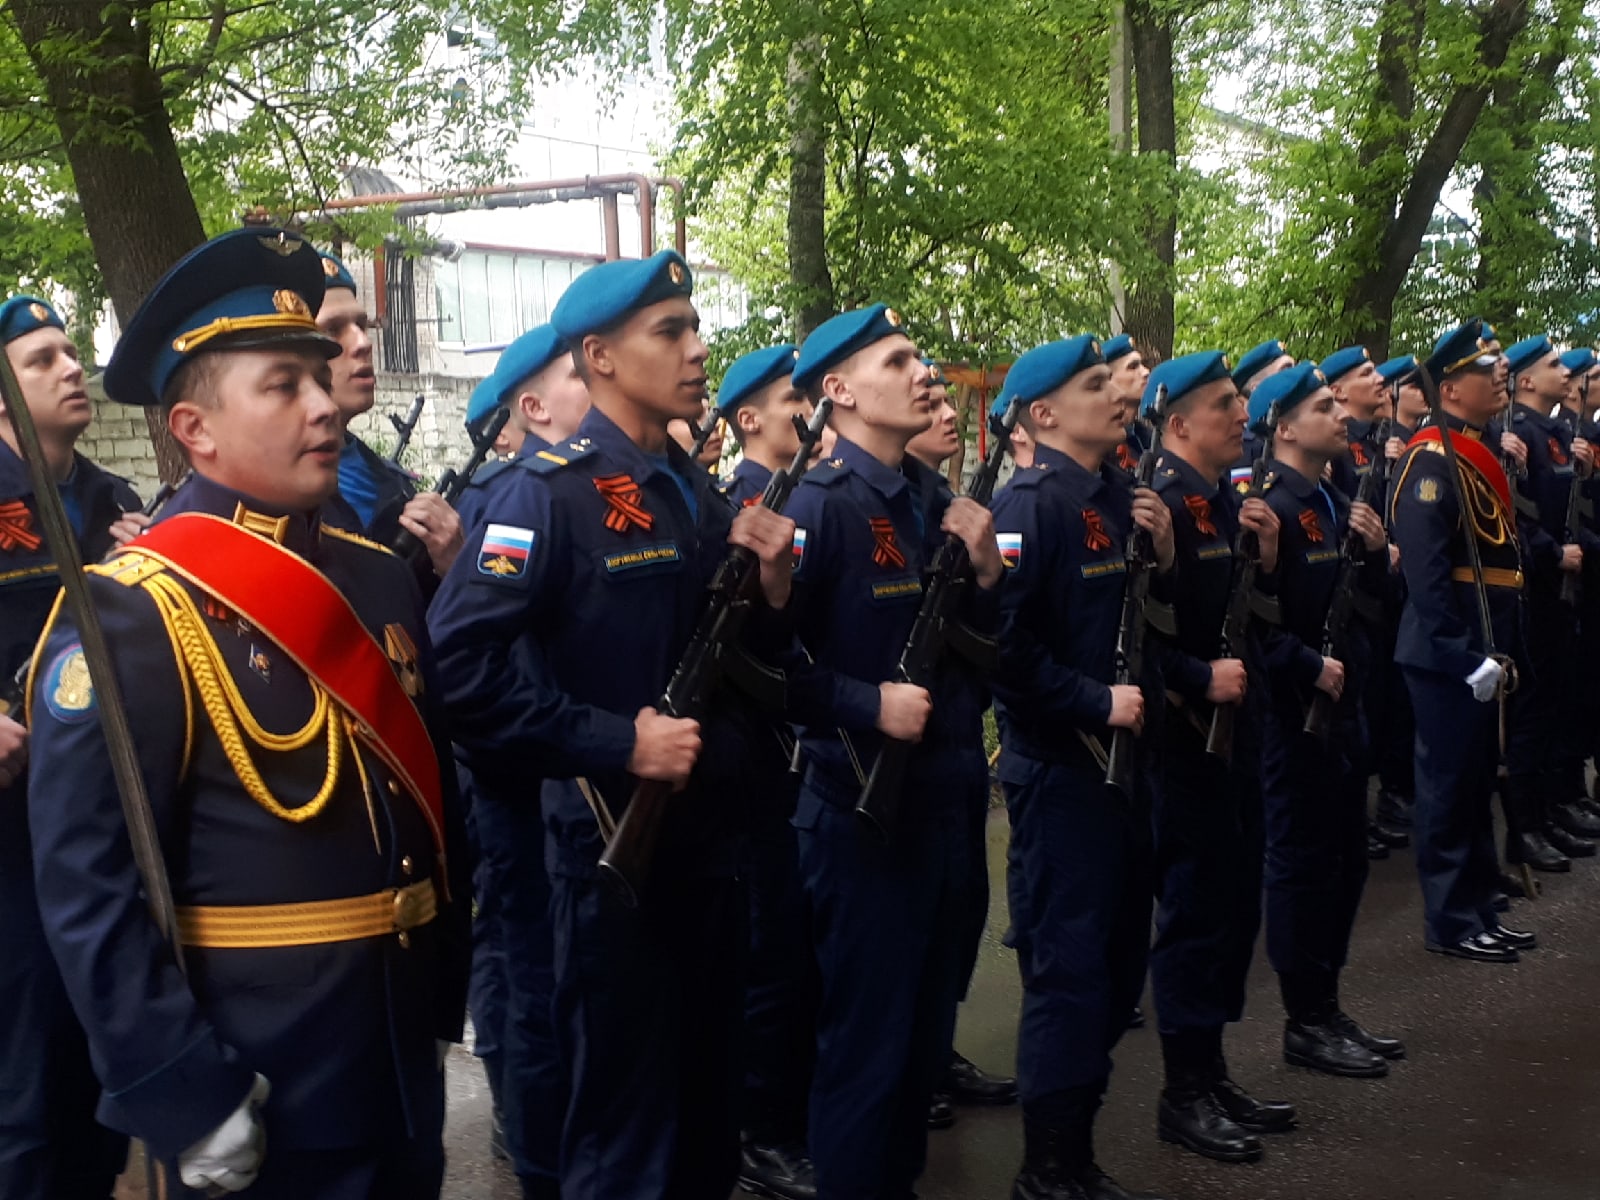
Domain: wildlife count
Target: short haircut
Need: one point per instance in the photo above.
(194, 382)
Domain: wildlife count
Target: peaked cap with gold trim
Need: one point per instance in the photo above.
(245, 289)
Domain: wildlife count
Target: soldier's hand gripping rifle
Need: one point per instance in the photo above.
(456, 480)
(1347, 601)
(935, 629)
(712, 655)
(404, 427)
(1236, 619)
(1134, 624)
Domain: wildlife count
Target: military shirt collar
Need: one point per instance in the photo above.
(607, 437)
(1073, 471)
(296, 531)
(1299, 486)
(15, 482)
(887, 481)
(532, 443)
(1190, 477)
(753, 471)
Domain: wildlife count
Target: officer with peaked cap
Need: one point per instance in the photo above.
(1079, 871)
(1207, 809)
(558, 628)
(1316, 790)
(888, 916)
(384, 497)
(50, 1144)
(1454, 667)
(288, 733)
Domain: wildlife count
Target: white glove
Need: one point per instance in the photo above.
(229, 1157)
(1485, 681)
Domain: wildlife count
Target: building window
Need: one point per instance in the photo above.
(489, 297)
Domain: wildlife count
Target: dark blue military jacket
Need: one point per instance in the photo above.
(1440, 629)
(1313, 519)
(748, 481)
(1351, 467)
(865, 534)
(1063, 532)
(565, 614)
(474, 500)
(345, 1031)
(1551, 474)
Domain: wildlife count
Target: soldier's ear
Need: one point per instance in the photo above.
(748, 418)
(189, 425)
(597, 357)
(835, 388)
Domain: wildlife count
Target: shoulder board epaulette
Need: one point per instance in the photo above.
(553, 458)
(1029, 477)
(128, 568)
(827, 473)
(490, 471)
(1267, 483)
(355, 539)
(1167, 478)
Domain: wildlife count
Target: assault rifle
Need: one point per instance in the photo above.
(1346, 602)
(935, 629)
(404, 427)
(703, 434)
(456, 480)
(712, 655)
(1236, 618)
(1578, 506)
(1131, 629)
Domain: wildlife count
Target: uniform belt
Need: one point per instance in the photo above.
(1504, 577)
(256, 926)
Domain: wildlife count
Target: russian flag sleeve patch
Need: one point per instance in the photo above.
(799, 546)
(505, 551)
(1010, 548)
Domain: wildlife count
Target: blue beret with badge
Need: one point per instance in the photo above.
(1117, 347)
(1399, 369)
(524, 358)
(936, 375)
(837, 338)
(1527, 352)
(1472, 343)
(335, 274)
(1045, 368)
(1257, 359)
(244, 289)
(1181, 376)
(24, 314)
(1580, 361)
(1283, 391)
(749, 373)
(607, 294)
(1341, 362)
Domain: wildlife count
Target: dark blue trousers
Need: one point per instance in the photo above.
(51, 1146)
(780, 999)
(1208, 859)
(1458, 743)
(1316, 831)
(648, 1007)
(1079, 877)
(1538, 722)
(883, 918)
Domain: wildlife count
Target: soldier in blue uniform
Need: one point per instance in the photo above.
(383, 497)
(1316, 793)
(1257, 364)
(1583, 395)
(557, 629)
(1079, 873)
(303, 798)
(1545, 776)
(51, 1147)
(512, 961)
(758, 404)
(1356, 384)
(1129, 373)
(1208, 818)
(1454, 676)
(887, 918)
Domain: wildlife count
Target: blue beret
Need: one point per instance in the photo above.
(520, 361)
(336, 274)
(1045, 368)
(1401, 368)
(837, 338)
(1528, 351)
(936, 375)
(1117, 347)
(1580, 361)
(1461, 347)
(1283, 391)
(1182, 375)
(751, 372)
(606, 294)
(1341, 362)
(246, 288)
(1256, 359)
(24, 314)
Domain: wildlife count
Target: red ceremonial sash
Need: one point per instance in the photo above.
(1477, 455)
(298, 608)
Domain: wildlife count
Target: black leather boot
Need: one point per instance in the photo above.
(1385, 1047)
(1569, 816)
(1189, 1116)
(1052, 1161)
(1247, 1112)
(1394, 810)
(966, 1083)
(1525, 841)
(1564, 842)
(779, 1172)
(1310, 1037)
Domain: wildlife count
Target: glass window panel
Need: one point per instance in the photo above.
(475, 327)
(503, 315)
(530, 291)
(447, 287)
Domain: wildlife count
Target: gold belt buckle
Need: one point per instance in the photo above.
(410, 906)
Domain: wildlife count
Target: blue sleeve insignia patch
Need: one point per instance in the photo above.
(68, 691)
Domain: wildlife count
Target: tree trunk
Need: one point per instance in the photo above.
(136, 201)
(1150, 304)
(810, 280)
